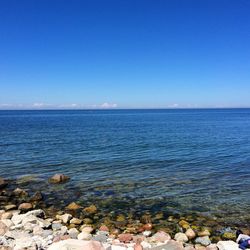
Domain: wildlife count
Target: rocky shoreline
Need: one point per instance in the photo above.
(27, 223)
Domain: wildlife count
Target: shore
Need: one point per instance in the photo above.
(27, 222)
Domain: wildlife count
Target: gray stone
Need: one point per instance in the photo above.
(204, 241)
(73, 232)
(56, 226)
(101, 236)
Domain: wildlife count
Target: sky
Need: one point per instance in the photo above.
(124, 54)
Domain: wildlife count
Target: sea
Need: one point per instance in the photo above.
(172, 160)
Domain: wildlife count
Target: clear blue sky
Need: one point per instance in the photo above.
(124, 53)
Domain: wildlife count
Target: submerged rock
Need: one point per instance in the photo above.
(58, 178)
(38, 196)
(25, 206)
(91, 209)
(73, 206)
(3, 183)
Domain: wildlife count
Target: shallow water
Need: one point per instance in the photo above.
(139, 160)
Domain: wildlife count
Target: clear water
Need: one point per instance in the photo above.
(179, 160)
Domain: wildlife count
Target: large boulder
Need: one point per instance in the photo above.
(58, 178)
(72, 244)
(228, 245)
(170, 245)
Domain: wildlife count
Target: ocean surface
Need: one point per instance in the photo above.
(190, 160)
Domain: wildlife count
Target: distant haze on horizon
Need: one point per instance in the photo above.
(95, 54)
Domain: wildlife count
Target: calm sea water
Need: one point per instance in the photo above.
(180, 160)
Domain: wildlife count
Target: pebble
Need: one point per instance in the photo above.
(56, 226)
(181, 237)
(125, 237)
(66, 218)
(87, 229)
(76, 221)
(84, 236)
(204, 241)
(190, 233)
(73, 233)
(161, 237)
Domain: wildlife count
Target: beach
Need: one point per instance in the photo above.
(28, 222)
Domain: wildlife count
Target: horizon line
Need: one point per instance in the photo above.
(112, 109)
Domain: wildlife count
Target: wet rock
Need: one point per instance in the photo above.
(125, 237)
(229, 236)
(4, 198)
(66, 218)
(184, 224)
(91, 209)
(227, 245)
(87, 221)
(84, 236)
(24, 207)
(204, 241)
(20, 192)
(147, 226)
(76, 221)
(73, 206)
(10, 207)
(190, 233)
(3, 183)
(160, 237)
(204, 232)
(58, 178)
(146, 218)
(181, 237)
(38, 196)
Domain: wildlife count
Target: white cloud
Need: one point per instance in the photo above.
(175, 105)
(42, 105)
(107, 105)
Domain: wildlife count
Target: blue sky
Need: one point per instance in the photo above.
(124, 53)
